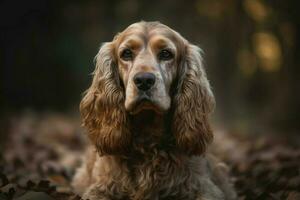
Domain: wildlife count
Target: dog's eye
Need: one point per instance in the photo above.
(165, 55)
(127, 55)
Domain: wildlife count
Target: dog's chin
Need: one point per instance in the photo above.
(144, 103)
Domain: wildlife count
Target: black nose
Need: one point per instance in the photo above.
(144, 81)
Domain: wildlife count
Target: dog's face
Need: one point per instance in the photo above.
(147, 62)
(148, 66)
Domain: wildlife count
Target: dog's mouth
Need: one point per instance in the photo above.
(144, 102)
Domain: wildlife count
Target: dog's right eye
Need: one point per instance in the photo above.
(127, 55)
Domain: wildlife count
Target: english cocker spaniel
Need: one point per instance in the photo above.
(146, 114)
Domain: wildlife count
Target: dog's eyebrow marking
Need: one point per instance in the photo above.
(132, 42)
(158, 42)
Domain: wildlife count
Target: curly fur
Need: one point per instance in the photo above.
(163, 158)
(102, 107)
(193, 102)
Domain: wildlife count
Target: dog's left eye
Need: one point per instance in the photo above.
(165, 55)
(127, 55)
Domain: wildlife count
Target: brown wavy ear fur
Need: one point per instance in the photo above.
(102, 107)
(193, 103)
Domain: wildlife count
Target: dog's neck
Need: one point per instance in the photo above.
(149, 129)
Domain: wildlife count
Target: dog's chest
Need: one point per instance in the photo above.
(159, 179)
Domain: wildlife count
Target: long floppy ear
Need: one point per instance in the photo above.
(102, 107)
(193, 103)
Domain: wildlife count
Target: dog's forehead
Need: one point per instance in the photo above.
(146, 31)
(148, 26)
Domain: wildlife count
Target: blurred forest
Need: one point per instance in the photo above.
(251, 54)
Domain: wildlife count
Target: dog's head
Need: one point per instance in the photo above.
(148, 66)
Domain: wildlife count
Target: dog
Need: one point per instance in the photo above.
(147, 117)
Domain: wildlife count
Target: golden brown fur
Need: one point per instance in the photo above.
(154, 149)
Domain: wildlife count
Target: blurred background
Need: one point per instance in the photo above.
(251, 51)
(251, 54)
